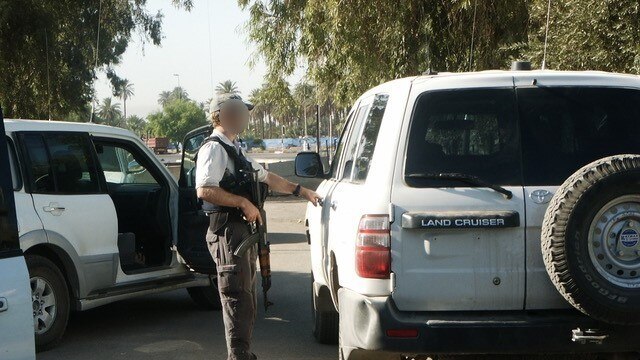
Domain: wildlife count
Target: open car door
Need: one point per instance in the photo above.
(193, 222)
(16, 305)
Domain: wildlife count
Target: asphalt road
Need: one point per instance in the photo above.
(169, 326)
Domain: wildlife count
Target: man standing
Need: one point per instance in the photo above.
(224, 179)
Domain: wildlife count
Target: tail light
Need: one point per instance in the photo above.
(373, 247)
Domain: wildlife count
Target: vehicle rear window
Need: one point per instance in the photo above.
(471, 132)
(564, 129)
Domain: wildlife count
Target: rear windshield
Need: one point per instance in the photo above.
(472, 132)
(564, 129)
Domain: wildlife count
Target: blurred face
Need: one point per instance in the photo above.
(234, 116)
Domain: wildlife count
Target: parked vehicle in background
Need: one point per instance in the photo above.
(16, 304)
(491, 212)
(159, 145)
(100, 219)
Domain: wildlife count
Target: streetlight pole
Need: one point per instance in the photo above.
(179, 88)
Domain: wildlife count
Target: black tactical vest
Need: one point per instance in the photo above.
(239, 182)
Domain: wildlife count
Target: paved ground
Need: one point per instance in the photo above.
(169, 326)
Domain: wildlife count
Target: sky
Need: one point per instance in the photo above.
(185, 51)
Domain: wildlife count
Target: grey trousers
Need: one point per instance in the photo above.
(237, 287)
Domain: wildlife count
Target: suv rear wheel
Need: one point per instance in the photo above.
(591, 239)
(50, 299)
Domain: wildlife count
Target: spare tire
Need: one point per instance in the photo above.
(591, 239)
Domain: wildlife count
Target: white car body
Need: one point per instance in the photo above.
(440, 271)
(80, 232)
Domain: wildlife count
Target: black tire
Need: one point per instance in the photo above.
(325, 323)
(206, 297)
(576, 207)
(41, 268)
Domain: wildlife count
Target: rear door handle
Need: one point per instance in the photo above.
(4, 305)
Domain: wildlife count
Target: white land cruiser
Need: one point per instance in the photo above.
(101, 219)
(491, 212)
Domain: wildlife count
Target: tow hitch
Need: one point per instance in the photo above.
(589, 336)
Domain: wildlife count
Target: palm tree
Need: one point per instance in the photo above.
(110, 112)
(227, 87)
(179, 93)
(125, 92)
(164, 98)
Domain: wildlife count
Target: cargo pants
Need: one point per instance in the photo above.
(236, 284)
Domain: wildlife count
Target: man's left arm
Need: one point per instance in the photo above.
(282, 185)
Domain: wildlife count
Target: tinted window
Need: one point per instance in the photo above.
(472, 132)
(72, 164)
(40, 173)
(61, 163)
(369, 137)
(122, 166)
(8, 228)
(564, 129)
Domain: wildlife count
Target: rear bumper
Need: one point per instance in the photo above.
(363, 331)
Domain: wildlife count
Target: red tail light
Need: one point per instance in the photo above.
(373, 247)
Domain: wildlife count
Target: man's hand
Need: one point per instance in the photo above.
(310, 195)
(251, 212)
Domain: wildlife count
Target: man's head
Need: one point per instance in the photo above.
(230, 112)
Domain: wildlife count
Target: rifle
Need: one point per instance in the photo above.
(258, 234)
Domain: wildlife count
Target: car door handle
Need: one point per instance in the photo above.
(4, 305)
(334, 205)
(54, 209)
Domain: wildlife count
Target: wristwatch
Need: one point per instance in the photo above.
(296, 192)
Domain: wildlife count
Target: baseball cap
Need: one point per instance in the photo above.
(219, 100)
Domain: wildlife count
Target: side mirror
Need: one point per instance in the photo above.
(309, 165)
(134, 168)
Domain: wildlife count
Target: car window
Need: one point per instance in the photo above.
(72, 164)
(369, 137)
(190, 149)
(8, 229)
(123, 166)
(473, 132)
(60, 163)
(40, 173)
(565, 128)
(348, 124)
(352, 141)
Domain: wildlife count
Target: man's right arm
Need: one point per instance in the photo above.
(217, 195)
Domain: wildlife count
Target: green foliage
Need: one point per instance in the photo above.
(48, 50)
(136, 124)
(350, 46)
(110, 113)
(227, 87)
(587, 34)
(177, 93)
(177, 118)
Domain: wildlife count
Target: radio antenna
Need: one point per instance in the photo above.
(46, 42)
(93, 102)
(546, 37)
(473, 34)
